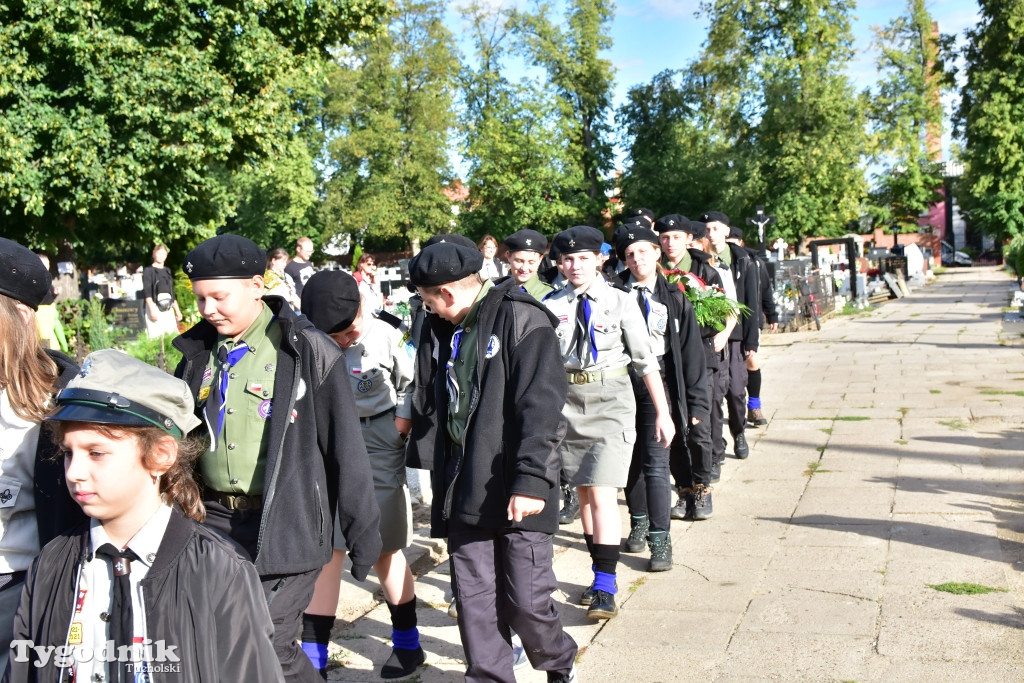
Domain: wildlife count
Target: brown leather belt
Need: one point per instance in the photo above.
(236, 501)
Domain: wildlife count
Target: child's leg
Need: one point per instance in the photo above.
(397, 583)
(318, 619)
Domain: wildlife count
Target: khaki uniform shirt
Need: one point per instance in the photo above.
(380, 367)
(536, 288)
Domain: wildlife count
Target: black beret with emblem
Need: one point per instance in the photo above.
(643, 214)
(225, 257)
(527, 240)
(578, 238)
(735, 233)
(698, 229)
(444, 262)
(451, 238)
(632, 236)
(330, 300)
(714, 216)
(672, 221)
(22, 275)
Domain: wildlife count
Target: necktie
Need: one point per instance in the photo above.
(584, 330)
(452, 380)
(219, 390)
(644, 301)
(122, 623)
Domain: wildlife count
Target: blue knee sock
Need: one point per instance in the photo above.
(317, 653)
(753, 403)
(604, 582)
(405, 639)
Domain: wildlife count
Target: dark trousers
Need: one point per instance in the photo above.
(720, 384)
(648, 491)
(287, 595)
(692, 453)
(503, 579)
(736, 393)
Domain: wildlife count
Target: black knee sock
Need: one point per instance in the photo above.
(589, 538)
(754, 383)
(606, 557)
(316, 634)
(404, 634)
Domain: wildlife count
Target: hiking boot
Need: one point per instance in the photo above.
(682, 508)
(602, 606)
(716, 471)
(638, 527)
(740, 447)
(570, 511)
(756, 418)
(702, 508)
(588, 595)
(661, 551)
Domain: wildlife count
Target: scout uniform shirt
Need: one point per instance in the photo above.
(92, 617)
(654, 312)
(380, 367)
(685, 263)
(536, 287)
(237, 462)
(463, 366)
(616, 323)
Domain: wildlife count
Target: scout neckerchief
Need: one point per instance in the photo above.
(219, 396)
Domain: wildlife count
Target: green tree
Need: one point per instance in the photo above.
(990, 120)
(583, 80)
(389, 115)
(122, 122)
(519, 173)
(903, 111)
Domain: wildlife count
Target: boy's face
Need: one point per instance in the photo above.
(106, 477)
(450, 302)
(524, 264)
(642, 259)
(351, 334)
(674, 243)
(231, 306)
(580, 268)
(718, 232)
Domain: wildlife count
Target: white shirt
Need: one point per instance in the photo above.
(19, 532)
(618, 325)
(90, 620)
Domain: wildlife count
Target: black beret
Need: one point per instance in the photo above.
(22, 274)
(735, 233)
(444, 262)
(672, 221)
(716, 216)
(632, 236)
(641, 213)
(578, 238)
(697, 229)
(330, 299)
(527, 240)
(225, 257)
(451, 238)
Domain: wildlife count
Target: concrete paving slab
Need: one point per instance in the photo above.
(757, 655)
(794, 610)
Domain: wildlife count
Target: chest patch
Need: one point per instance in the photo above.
(264, 409)
(364, 385)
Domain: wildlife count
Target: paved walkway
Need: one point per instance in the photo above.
(892, 462)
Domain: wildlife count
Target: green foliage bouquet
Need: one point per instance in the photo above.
(710, 303)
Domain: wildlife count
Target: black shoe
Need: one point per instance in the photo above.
(588, 595)
(716, 471)
(402, 662)
(702, 508)
(602, 606)
(570, 511)
(638, 528)
(555, 677)
(740, 447)
(681, 510)
(661, 551)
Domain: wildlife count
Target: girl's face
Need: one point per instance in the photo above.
(489, 249)
(580, 268)
(106, 477)
(642, 259)
(277, 264)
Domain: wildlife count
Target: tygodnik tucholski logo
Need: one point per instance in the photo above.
(145, 657)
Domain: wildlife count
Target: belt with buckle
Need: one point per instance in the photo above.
(383, 413)
(585, 377)
(236, 501)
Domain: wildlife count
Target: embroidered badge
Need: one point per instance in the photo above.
(80, 602)
(493, 346)
(264, 409)
(207, 375)
(256, 387)
(86, 367)
(204, 393)
(364, 385)
(9, 490)
(294, 416)
(563, 319)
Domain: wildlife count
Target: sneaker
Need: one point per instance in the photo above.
(570, 511)
(638, 527)
(716, 471)
(702, 508)
(555, 677)
(682, 508)
(740, 447)
(602, 606)
(453, 609)
(661, 551)
(519, 658)
(588, 595)
(756, 418)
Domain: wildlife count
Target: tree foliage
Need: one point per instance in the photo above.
(389, 116)
(519, 170)
(990, 120)
(583, 81)
(122, 121)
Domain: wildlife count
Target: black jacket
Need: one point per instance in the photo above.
(56, 510)
(769, 312)
(685, 362)
(514, 423)
(201, 596)
(747, 279)
(316, 458)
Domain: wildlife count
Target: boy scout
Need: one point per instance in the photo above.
(524, 251)
(285, 449)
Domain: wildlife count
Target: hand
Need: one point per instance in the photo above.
(404, 426)
(773, 327)
(520, 506)
(720, 340)
(664, 429)
(152, 315)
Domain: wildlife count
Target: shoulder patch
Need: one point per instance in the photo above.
(493, 346)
